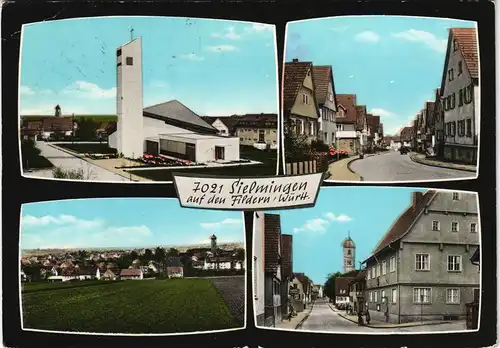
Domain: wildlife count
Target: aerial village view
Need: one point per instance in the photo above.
(113, 266)
(408, 264)
(392, 99)
(112, 105)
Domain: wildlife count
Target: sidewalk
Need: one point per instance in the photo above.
(420, 158)
(296, 322)
(382, 325)
(340, 171)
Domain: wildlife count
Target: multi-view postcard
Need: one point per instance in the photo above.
(408, 264)
(132, 99)
(131, 266)
(382, 98)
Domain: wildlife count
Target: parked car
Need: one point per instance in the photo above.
(403, 150)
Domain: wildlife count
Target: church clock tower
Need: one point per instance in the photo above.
(349, 254)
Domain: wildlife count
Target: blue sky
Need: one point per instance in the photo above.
(318, 233)
(393, 64)
(215, 67)
(124, 222)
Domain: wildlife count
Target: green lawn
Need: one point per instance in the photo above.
(132, 306)
(268, 167)
(89, 148)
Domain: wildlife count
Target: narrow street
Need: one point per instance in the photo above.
(323, 318)
(67, 161)
(393, 166)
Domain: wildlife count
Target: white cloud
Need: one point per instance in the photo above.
(381, 112)
(31, 221)
(25, 90)
(89, 90)
(229, 33)
(367, 36)
(259, 27)
(339, 29)
(351, 77)
(222, 48)
(317, 225)
(158, 84)
(218, 224)
(337, 218)
(424, 37)
(192, 56)
(46, 92)
(392, 81)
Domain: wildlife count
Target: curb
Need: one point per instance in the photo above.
(303, 320)
(425, 163)
(352, 171)
(395, 326)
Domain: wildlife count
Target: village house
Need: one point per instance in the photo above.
(407, 136)
(224, 124)
(300, 109)
(258, 269)
(175, 269)
(306, 287)
(258, 130)
(297, 294)
(374, 130)
(429, 134)
(272, 266)
(419, 269)
(357, 288)
(286, 272)
(362, 130)
(460, 92)
(346, 121)
(131, 273)
(393, 143)
(324, 89)
(342, 291)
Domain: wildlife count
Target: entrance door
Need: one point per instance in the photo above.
(191, 152)
(219, 153)
(261, 136)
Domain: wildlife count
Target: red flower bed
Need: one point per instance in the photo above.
(152, 160)
(337, 153)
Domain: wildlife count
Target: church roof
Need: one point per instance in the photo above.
(348, 243)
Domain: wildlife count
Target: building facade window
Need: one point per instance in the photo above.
(375, 299)
(392, 264)
(454, 226)
(455, 45)
(456, 196)
(450, 75)
(378, 270)
(460, 68)
(468, 127)
(473, 227)
(422, 295)
(435, 225)
(422, 262)
(383, 297)
(374, 274)
(453, 296)
(371, 296)
(384, 267)
(393, 295)
(130, 61)
(454, 263)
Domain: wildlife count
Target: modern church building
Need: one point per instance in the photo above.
(168, 129)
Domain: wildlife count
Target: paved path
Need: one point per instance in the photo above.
(323, 318)
(65, 160)
(393, 166)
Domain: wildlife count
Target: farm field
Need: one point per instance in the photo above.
(133, 306)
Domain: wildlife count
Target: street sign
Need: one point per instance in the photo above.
(294, 291)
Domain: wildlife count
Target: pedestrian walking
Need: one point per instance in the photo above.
(360, 319)
(367, 316)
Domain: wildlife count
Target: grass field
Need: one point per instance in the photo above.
(268, 167)
(89, 148)
(133, 306)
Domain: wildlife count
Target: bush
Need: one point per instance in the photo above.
(60, 173)
(297, 148)
(319, 146)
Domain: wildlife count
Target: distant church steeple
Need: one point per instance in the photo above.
(349, 253)
(57, 111)
(213, 244)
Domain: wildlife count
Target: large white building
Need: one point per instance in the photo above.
(168, 129)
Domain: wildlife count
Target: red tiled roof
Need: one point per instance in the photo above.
(373, 122)
(258, 121)
(272, 232)
(294, 76)
(406, 133)
(348, 243)
(130, 272)
(322, 75)
(342, 283)
(287, 255)
(360, 116)
(403, 223)
(348, 101)
(57, 123)
(467, 42)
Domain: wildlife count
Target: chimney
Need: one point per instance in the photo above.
(295, 60)
(416, 198)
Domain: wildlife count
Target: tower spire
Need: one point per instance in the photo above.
(349, 234)
(131, 33)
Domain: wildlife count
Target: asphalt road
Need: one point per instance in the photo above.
(323, 318)
(67, 161)
(393, 166)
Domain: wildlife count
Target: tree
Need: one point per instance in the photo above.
(329, 287)
(33, 271)
(160, 254)
(86, 129)
(172, 252)
(240, 254)
(297, 148)
(133, 255)
(148, 254)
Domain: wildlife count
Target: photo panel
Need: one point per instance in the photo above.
(132, 99)
(131, 266)
(409, 264)
(382, 98)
